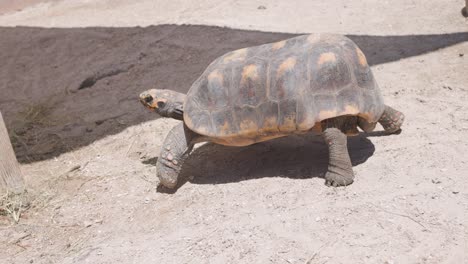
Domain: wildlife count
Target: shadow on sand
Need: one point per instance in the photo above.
(296, 157)
(61, 89)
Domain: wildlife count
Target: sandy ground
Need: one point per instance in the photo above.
(9, 6)
(89, 154)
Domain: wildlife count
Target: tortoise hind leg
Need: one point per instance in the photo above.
(175, 150)
(391, 119)
(340, 170)
(366, 126)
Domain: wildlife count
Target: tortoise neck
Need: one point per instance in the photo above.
(176, 105)
(176, 110)
(178, 113)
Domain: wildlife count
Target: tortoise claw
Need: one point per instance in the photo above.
(337, 180)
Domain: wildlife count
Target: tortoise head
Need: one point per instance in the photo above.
(166, 103)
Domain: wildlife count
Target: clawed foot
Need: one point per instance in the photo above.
(163, 189)
(337, 180)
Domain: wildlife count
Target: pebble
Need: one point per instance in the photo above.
(436, 181)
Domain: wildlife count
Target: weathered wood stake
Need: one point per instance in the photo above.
(465, 9)
(11, 177)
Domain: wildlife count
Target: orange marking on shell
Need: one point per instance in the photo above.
(270, 125)
(248, 127)
(249, 72)
(287, 65)
(325, 114)
(278, 45)
(215, 75)
(225, 129)
(350, 110)
(188, 120)
(367, 116)
(326, 57)
(236, 55)
(289, 124)
(361, 57)
(202, 130)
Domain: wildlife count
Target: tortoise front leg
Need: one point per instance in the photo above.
(340, 169)
(175, 150)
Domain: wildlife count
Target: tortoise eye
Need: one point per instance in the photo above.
(148, 99)
(161, 104)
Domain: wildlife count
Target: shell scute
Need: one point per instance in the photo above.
(287, 115)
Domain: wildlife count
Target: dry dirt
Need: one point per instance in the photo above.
(88, 148)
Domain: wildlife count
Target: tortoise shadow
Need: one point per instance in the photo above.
(295, 157)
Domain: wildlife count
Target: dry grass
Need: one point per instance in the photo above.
(14, 204)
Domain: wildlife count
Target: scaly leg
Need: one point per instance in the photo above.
(340, 169)
(175, 150)
(366, 126)
(391, 119)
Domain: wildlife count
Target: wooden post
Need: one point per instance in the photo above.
(465, 9)
(11, 177)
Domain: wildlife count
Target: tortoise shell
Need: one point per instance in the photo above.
(272, 90)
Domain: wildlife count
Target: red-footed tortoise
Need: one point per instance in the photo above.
(318, 82)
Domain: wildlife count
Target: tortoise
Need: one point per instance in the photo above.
(318, 83)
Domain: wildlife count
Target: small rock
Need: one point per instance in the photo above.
(455, 192)
(87, 223)
(436, 181)
(461, 55)
(447, 87)
(261, 7)
(317, 219)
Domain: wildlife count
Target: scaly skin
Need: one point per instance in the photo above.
(174, 152)
(340, 170)
(391, 119)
